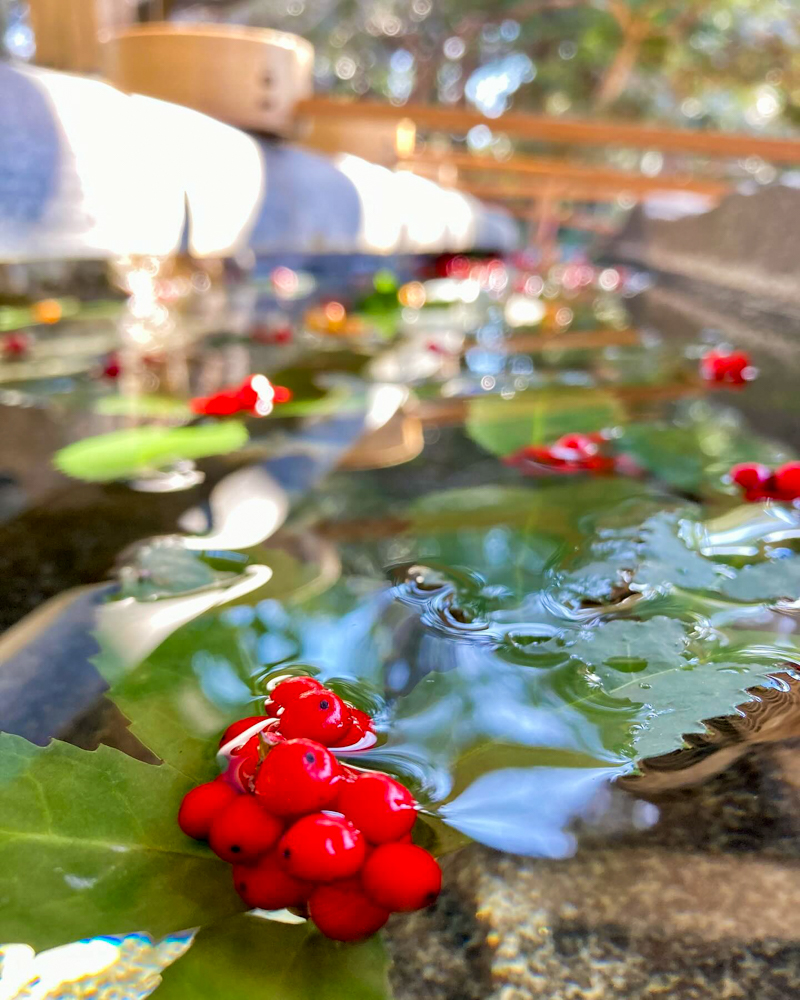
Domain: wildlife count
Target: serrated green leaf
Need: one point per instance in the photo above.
(503, 426)
(657, 644)
(676, 700)
(766, 581)
(125, 453)
(89, 845)
(250, 956)
(651, 555)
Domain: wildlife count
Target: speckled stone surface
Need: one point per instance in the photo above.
(701, 905)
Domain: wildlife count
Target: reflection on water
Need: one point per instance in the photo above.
(524, 645)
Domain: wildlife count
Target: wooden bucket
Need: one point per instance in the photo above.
(250, 77)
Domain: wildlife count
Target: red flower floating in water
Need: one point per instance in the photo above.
(256, 395)
(758, 482)
(733, 367)
(572, 453)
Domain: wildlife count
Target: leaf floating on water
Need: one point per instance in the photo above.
(89, 846)
(629, 646)
(696, 454)
(126, 453)
(503, 426)
(766, 581)
(250, 956)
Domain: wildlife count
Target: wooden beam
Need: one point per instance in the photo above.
(566, 190)
(556, 170)
(577, 132)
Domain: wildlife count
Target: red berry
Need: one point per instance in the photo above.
(787, 481)
(750, 475)
(243, 830)
(360, 725)
(713, 366)
(402, 877)
(380, 807)
(112, 367)
(235, 728)
(343, 912)
(581, 444)
(290, 689)
(297, 777)
(319, 715)
(322, 848)
(243, 763)
(267, 886)
(735, 364)
(201, 805)
(15, 345)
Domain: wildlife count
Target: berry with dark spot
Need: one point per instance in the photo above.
(297, 777)
(243, 830)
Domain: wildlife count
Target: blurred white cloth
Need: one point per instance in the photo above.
(89, 171)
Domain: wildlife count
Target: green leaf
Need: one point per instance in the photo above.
(699, 451)
(656, 644)
(125, 453)
(89, 845)
(250, 956)
(181, 697)
(677, 699)
(649, 556)
(766, 581)
(503, 426)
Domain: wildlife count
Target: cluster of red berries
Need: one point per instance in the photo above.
(734, 367)
(760, 483)
(571, 453)
(303, 830)
(256, 395)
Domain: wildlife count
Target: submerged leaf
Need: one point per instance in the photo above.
(250, 956)
(89, 845)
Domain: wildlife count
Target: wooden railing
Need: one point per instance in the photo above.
(571, 132)
(539, 188)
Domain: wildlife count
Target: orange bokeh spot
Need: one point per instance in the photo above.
(48, 311)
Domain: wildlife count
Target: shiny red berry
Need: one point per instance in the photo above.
(750, 475)
(289, 690)
(241, 726)
(297, 777)
(243, 830)
(201, 805)
(575, 445)
(267, 886)
(380, 807)
(342, 911)
(787, 481)
(322, 848)
(735, 365)
(319, 715)
(713, 366)
(402, 877)
(360, 726)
